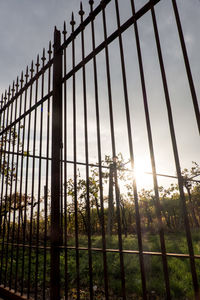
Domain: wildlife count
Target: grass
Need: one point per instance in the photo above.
(179, 268)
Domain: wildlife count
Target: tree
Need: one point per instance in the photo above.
(112, 172)
(190, 183)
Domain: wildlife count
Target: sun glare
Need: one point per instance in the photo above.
(143, 179)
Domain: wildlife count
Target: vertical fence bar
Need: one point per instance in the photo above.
(111, 116)
(126, 99)
(65, 164)
(81, 13)
(34, 170)
(7, 197)
(47, 176)
(25, 195)
(72, 23)
(26, 182)
(2, 118)
(45, 239)
(56, 168)
(4, 146)
(19, 194)
(91, 2)
(11, 187)
(23, 229)
(176, 157)
(38, 200)
(187, 64)
(152, 156)
(39, 183)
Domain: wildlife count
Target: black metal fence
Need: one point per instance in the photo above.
(74, 223)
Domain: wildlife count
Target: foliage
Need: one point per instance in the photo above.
(179, 268)
(90, 213)
(8, 142)
(88, 197)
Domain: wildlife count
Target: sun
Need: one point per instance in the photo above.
(142, 170)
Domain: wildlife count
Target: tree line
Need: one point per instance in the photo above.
(116, 202)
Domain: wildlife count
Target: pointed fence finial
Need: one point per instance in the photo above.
(49, 51)
(9, 93)
(13, 88)
(72, 20)
(22, 79)
(38, 62)
(5, 97)
(81, 5)
(17, 84)
(31, 69)
(43, 58)
(64, 30)
(1, 99)
(26, 74)
(81, 11)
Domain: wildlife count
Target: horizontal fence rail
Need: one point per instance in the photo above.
(77, 219)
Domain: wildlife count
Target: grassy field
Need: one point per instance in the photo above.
(179, 268)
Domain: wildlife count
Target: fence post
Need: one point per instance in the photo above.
(56, 168)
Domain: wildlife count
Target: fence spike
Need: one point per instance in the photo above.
(81, 5)
(81, 11)
(9, 93)
(5, 97)
(22, 78)
(43, 58)
(17, 84)
(2, 104)
(64, 29)
(72, 20)
(38, 63)
(13, 88)
(49, 51)
(31, 69)
(26, 75)
(1, 99)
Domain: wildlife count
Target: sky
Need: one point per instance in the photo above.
(26, 26)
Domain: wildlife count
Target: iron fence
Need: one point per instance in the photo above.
(74, 223)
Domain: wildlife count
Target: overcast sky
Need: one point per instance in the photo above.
(26, 26)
